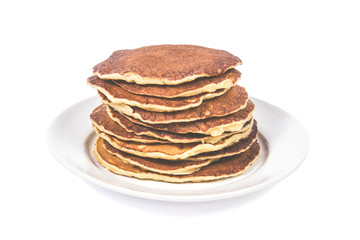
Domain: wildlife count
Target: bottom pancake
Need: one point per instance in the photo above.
(223, 168)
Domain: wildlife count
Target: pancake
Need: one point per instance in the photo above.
(171, 151)
(117, 95)
(236, 148)
(210, 126)
(223, 168)
(201, 85)
(165, 64)
(101, 121)
(165, 135)
(157, 165)
(232, 101)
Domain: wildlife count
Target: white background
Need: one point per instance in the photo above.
(302, 56)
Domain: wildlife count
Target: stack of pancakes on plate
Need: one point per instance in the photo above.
(173, 113)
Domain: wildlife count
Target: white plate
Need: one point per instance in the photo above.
(284, 145)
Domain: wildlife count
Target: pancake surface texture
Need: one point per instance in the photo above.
(165, 64)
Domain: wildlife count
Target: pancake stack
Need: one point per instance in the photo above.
(173, 113)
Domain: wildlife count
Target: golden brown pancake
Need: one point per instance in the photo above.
(158, 165)
(117, 95)
(173, 113)
(165, 135)
(211, 126)
(170, 151)
(104, 123)
(236, 148)
(232, 101)
(165, 64)
(196, 87)
(223, 168)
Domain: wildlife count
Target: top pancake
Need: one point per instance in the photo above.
(188, 89)
(165, 64)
